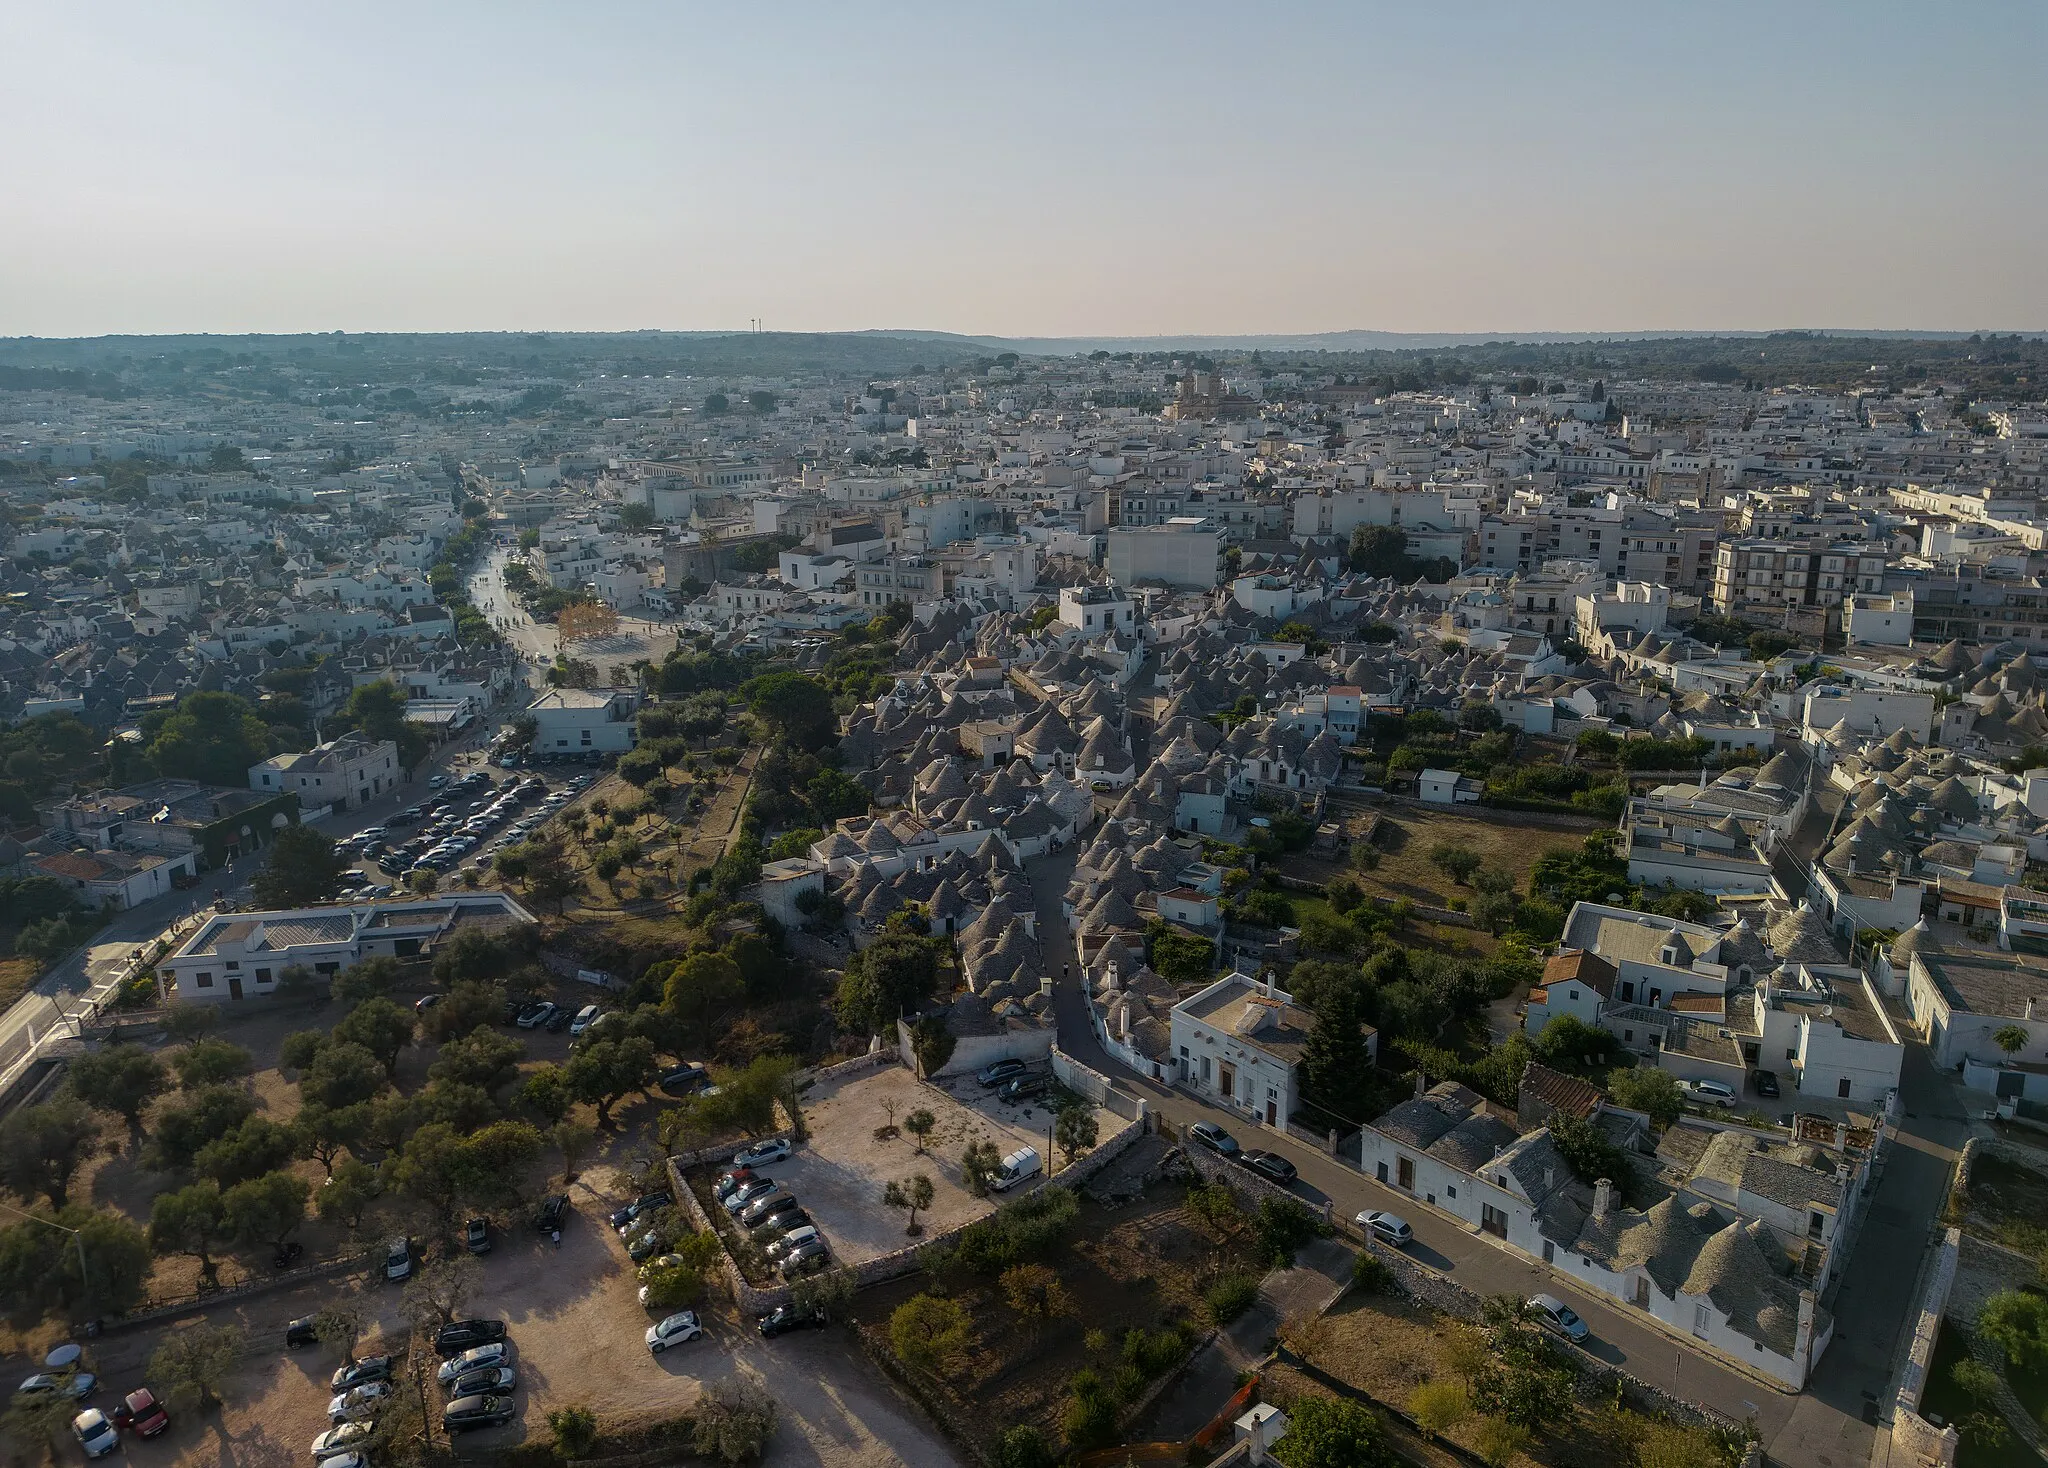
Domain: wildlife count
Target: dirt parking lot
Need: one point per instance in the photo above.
(576, 1329)
(839, 1173)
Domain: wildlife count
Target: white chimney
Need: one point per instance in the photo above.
(1603, 1198)
(1045, 986)
(1260, 1428)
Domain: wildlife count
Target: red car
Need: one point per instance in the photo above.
(142, 1414)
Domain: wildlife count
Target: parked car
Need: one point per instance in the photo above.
(398, 1259)
(1271, 1165)
(1710, 1093)
(763, 1153)
(645, 1203)
(465, 1413)
(141, 1413)
(804, 1259)
(78, 1385)
(795, 1238)
(491, 1381)
(346, 1438)
(493, 1354)
(780, 1225)
(680, 1327)
(553, 1211)
(991, 1076)
(95, 1433)
(534, 1015)
(1023, 1088)
(463, 1335)
(558, 1021)
(766, 1207)
(644, 1246)
(786, 1318)
(685, 1080)
(746, 1193)
(1554, 1315)
(729, 1182)
(358, 1403)
(425, 1002)
(300, 1333)
(1765, 1081)
(1388, 1228)
(587, 1016)
(476, 1236)
(355, 1373)
(1214, 1138)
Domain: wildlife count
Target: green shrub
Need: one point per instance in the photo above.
(1155, 1352)
(1230, 1297)
(1090, 1418)
(1370, 1275)
(1026, 1229)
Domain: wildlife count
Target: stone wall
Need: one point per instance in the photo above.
(1106, 1151)
(1920, 1439)
(1250, 1187)
(1097, 1087)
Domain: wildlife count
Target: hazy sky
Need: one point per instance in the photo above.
(1026, 169)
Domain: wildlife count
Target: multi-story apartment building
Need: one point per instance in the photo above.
(899, 578)
(1753, 574)
(1972, 607)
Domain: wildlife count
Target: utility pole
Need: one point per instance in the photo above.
(77, 1239)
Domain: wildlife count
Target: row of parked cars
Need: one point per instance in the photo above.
(98, 1433)
(476, 1376)
(1389, 1228)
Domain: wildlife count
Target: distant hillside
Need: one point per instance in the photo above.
(1367, 341)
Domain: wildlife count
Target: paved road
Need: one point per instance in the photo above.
(1826, 1427)
(536, 642)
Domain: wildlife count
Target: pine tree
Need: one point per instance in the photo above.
(1336, 1066)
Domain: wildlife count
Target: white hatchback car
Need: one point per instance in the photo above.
(1388, 1228)
(680, 1327)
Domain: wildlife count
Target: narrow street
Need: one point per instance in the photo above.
(1830, 1426)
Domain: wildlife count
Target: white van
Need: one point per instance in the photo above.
(1019, 1165)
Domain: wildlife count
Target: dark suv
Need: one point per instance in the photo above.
(464, 1335)
(551, 1214)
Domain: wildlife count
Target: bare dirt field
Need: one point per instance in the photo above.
(839, 1173)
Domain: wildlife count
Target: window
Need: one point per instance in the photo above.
(203, 981)
(263, 976)
(233, 964)
(1493, 1221)
(1792, 1053)
(1404, 1174)
(1842, 1087)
